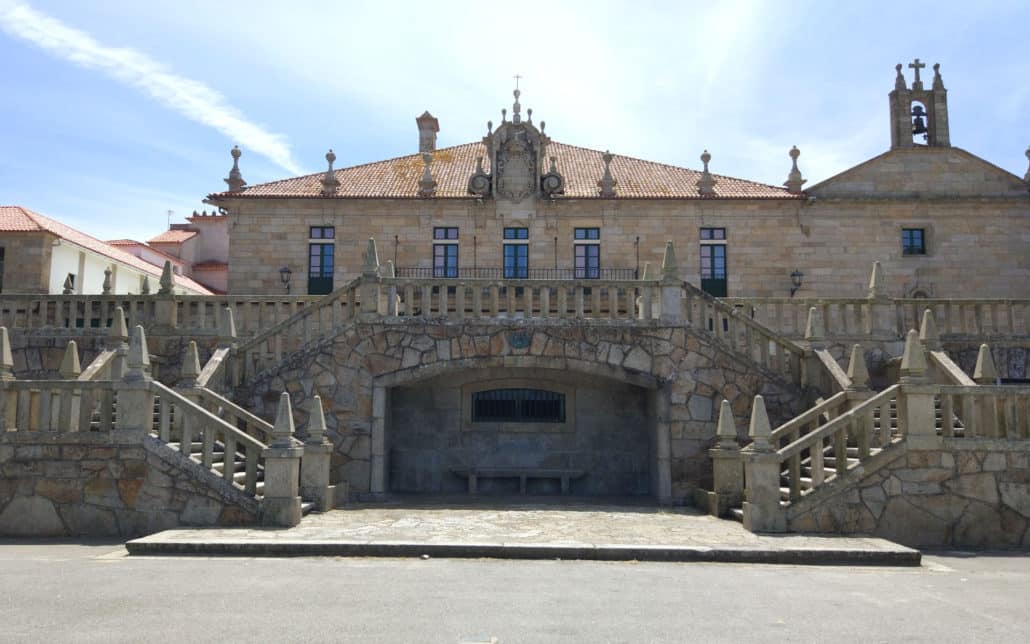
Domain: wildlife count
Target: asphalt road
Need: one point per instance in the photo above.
(93, 593)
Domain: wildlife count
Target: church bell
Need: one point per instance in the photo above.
(919, 122)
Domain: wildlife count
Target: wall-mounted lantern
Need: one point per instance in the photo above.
(795, 279)
(285, 274)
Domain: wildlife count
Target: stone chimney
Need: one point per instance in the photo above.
(428, 126)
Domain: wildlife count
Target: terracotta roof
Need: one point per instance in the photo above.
(21, 218)
(452, 167)
(124, 242)
(173, 237)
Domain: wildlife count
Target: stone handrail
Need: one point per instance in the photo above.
(831, 377)
(794, 428)
(947, 371)
(986, 411)
(855, 423)
(890, 318)
(56, 405)
(228, 410)
(26, 311)
(212, 376)
(303, 326)
(100, 367)
(180, 419)
(742, 334)
(251, 313)
(537, 298)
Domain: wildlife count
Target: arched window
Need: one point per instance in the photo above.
(520, 405)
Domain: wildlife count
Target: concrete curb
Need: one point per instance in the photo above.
(893, 556)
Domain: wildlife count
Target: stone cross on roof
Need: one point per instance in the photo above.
(916, 65)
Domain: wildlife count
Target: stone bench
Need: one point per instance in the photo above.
(521, 473)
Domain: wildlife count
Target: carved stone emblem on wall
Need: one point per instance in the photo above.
(516, 169)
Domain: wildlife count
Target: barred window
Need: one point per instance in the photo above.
(518, 406)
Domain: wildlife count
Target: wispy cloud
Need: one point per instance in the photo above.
(190, 98)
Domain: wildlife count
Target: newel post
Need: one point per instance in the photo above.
(315, 464)
(371, 279)
(166, 309)
(281, 503)
(727, 468)
(916, 399)
(880, 314)
(135, 396)
(671, 287)
(8, 406)
(762, 512)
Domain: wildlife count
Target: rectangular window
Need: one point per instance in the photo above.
(587, 253)
(913, 241)
(518, 406)
(713, 261)
(320, 260)
(445, 252)
(516, 253)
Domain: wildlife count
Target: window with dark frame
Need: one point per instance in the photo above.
(445, 252)
(713, 261)
(320, 259)
(913, 241)
(2, 250)
(518, 405)
(516, 253)
(587, 253)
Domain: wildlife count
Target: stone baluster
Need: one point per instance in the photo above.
(762, 512)
(280, 505)
(727, 468)
(315, 464)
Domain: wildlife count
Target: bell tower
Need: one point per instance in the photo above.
(919, 116)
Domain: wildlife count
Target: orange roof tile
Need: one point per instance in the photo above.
(20, 219)
(173, 237)
(124, 242)
(452, 167)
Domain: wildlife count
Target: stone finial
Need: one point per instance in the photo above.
(858, 373)
(608, 182)
(938, 82)
(107, 281)
(426, 185)
(985, 372)
(543, 126)
(69, 287)
(794, 180)
(760, 430)
(428, 126)
(876, 291)
(899, 80)
(227, 326)
(371, 266)
(479, 182)
(706, 184)
(118, 332)
(726, 430)
(389, 270)
(167, 281)
(645, 275)
(928, 332)
(6, 358)
(504, 115)
(552, 183)
(235, 180)
(1026, 177)
(814, 330)
(670, 267)
(70, 366)
(144, 287)
(489, 128)
(190, 366)
(139, 356)
(316, 423)
(283, 430)
(516, 108)
(529, 116)
(913, 361)
(330, 184)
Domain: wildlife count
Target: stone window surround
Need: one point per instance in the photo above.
(568, 390)
(929, 242)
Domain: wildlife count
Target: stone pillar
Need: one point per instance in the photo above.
(281, 503)
(989, 421)
(6, 358)
(368, 291)
(727, 467)
(70, 366)
(377, 465)
(985, 372)
(227, 329)
(815, 338)
(671, 287)
(916, 398)
(190, 367)
(135, 396)
(8, 407)
(314, 465)
(880, 314)
(762, 512)
(118, 341)
(166, 309)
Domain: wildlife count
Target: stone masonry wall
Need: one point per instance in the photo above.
(26, 266)
(108, 483)
(690, 373)
(970, 493)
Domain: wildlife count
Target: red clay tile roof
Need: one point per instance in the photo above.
(124, 242)
(452, 167)
(18, 219)
(173, 237)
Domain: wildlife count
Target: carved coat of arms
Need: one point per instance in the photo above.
(516, 170)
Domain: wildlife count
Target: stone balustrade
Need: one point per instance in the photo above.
(985, 411)
(56, 406)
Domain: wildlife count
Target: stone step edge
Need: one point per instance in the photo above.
(895, 555)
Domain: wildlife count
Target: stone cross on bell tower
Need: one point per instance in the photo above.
(919, 116)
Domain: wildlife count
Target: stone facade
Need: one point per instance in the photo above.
(26, 261)
(970, 493)
(685, 373)
(118, 482)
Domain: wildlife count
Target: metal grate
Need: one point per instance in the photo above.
(518, 406)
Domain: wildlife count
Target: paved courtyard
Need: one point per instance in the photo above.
(535, 528)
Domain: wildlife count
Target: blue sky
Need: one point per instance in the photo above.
(115, 112)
